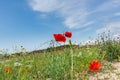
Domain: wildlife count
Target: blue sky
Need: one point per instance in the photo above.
(30, 23)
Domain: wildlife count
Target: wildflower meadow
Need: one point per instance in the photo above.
(64, 62)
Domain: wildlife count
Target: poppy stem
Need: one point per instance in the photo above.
(71, 52)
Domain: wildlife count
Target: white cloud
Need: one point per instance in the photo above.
(76, 13)
(75, 20)
(117, 14)
(44, 5)
(108, 5)
(114, 27)
(88, 23)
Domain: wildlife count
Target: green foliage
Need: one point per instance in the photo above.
(55, 63)
(82, 59)
(112, 49)
(110, 46)
(57, 66)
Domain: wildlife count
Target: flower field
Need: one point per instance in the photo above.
(67, 63)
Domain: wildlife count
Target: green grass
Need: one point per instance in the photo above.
(54, 65)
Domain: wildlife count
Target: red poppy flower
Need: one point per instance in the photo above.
(68, 34)
(95, 66)
(8, 70)
(59, 37)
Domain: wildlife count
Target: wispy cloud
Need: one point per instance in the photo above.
(76, 13)
(108, 5)
(44, 5)
(117, 14)
(114, 27)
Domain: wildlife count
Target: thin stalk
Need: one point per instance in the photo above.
(71, 52)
